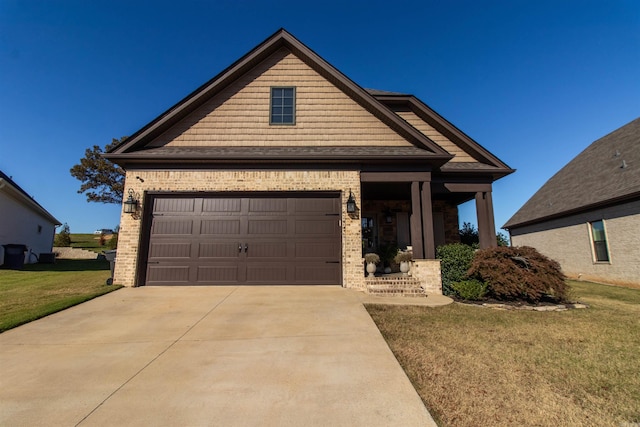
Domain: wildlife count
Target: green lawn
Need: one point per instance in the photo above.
(90, 242)
(41, 289)
(476, 366)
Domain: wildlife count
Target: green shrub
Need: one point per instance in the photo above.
(471, 289)
(519, 274)
(113, 242)
(455, 262)
(63, 238)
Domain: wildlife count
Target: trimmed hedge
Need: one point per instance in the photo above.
(519, 274)
(472, 289)
(455, 262)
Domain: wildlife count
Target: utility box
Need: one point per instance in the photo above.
(47, 258)
(14, 256)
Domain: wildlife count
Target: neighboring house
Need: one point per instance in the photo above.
(247, 179)
(587, 216)
(24, 221)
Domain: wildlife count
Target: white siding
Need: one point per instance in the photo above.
(19, 224)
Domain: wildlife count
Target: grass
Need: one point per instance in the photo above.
(474, 366)
(90, 242)
(42, 289)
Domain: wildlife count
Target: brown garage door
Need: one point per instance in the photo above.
(235, 240)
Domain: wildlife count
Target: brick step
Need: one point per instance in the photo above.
(394, 286)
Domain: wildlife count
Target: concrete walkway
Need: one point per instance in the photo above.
(198, 356)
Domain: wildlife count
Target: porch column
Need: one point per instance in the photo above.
(416, 221)
(486, 223)
(427, 222)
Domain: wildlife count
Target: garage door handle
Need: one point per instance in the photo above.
(246, 248)
(239, 247)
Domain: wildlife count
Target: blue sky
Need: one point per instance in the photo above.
(535, 82)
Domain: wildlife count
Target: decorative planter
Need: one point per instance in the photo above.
(371, 269)
(404, 267)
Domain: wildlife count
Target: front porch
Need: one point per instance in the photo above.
(412, 210)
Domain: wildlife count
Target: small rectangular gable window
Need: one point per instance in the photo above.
(599, 239)
(283, 106)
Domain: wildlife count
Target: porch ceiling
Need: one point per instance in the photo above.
(402, 191)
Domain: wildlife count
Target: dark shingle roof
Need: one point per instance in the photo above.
(607, 171)
(283, 153)
(377, 92)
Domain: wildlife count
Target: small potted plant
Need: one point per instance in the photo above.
(371, 259)
(404, 258)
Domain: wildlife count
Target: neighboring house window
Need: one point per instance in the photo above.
(599, 238)
(283, 106)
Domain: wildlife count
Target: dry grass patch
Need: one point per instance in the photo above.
(475, 366)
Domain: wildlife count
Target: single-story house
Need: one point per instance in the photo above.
(282, 170)
(587, 216)
(24, 221)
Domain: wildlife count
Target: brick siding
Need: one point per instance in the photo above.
(254, 180)
(568, 241)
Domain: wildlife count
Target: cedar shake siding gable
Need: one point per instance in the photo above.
(465, 150)
(291, 53)
(459, 154)
(239, 115)
(605, 173)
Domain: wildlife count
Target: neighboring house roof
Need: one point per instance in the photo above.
(140, 147)
(9, 186)
(606, 172)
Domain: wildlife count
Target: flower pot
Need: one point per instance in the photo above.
(371, 269)
(404, 267)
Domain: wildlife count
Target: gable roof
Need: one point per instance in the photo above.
(606, 172)
(8, 185)
(486, 160)
(281, 39)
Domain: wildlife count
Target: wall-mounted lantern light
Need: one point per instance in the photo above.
(131, 204)
(388, 216)
(351, 203)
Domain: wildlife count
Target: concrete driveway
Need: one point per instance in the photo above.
(196, 356)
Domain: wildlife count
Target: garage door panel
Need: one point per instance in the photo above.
(218, 274)
(168, 274)
(267, 273)
(317, 274)
(170, 250)
(220, 226)
(218, 250)
(273, 249)
(224, 206)
(314, 206)
(172, 227)
(326, 250)
(268, 205)
(174, 205)
(241, 240)
(267, 226)
(316, 227)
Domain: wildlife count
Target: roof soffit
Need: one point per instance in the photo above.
(260, 53)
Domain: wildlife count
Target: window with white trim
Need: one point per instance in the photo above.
(599, 240)
(283, 106)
